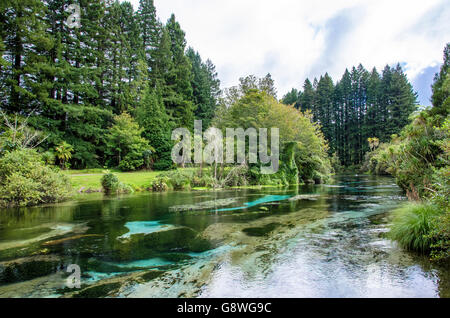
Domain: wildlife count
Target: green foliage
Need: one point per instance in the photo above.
(361, 105)
(441, 87)
(413, 157)
(440, 233)
(125, 145)
(418, 158)
(48, 157)
(151, 115)
(176, 180)
(412, 226)
(206, 87)
(291, 98)
(71, 82)
(25, 180)
(257, 109)
(239, 176)
(111, 184)
(64, 153)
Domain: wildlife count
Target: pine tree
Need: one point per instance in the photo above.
(25, 41)
(179, 100)
(291, 98)
(440, 97)
(403, 101)
(307, 98)
(205, 87)
(324, 106)
(150, 29)
(373, 105)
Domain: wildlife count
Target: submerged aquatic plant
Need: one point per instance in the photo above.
(412, 226)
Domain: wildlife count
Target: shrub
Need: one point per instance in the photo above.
(176, 180)
(237, 176)
(110, 183)
(441, 237)
(413, 225)
(25, 180)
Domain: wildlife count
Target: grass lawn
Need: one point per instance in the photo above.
(91, 179)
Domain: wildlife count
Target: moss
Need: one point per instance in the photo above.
(151, 275)
(175, 257)
(98, 291)
(261, 231)
(199, 245)
(28, 268)
(142, 246)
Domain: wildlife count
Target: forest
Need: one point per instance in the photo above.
(107, 95)
(359, 106)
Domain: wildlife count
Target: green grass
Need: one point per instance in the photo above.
(412, 226)
(90, 178)
(138, 180)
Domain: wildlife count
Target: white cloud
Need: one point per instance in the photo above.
(293, 39)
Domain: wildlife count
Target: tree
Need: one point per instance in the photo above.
(64, 153)
(23, 30)
(441, 91)
(267, 84)
(151, 115)
(125, 145)
(402, 102)
(150, 30)
(256, 109)
(307, 98)
(206, 87)
(291, 97)
(324, 106)
(179, 99)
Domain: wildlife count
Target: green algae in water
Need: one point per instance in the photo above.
(28, 268)
(98, 291)
(261, 231)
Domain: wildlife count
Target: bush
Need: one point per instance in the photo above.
(237, 176)
(441, 237)
(413, 225)
(110, 183)
(25, 180)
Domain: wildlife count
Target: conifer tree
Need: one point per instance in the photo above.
(205, 87)
(440, 97)
(178, 99)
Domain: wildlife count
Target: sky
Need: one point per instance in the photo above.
(296, 39)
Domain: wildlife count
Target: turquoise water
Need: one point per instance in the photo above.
(305, 241)
(266, 199)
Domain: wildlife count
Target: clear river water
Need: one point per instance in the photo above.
(306, 241)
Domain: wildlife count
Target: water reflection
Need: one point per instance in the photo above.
(306, 241)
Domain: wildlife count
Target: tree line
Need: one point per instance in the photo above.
(360, 106)
(73, 83)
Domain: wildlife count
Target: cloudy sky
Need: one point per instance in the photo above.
(295, 39)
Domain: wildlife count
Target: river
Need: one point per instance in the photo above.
(306, 241)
